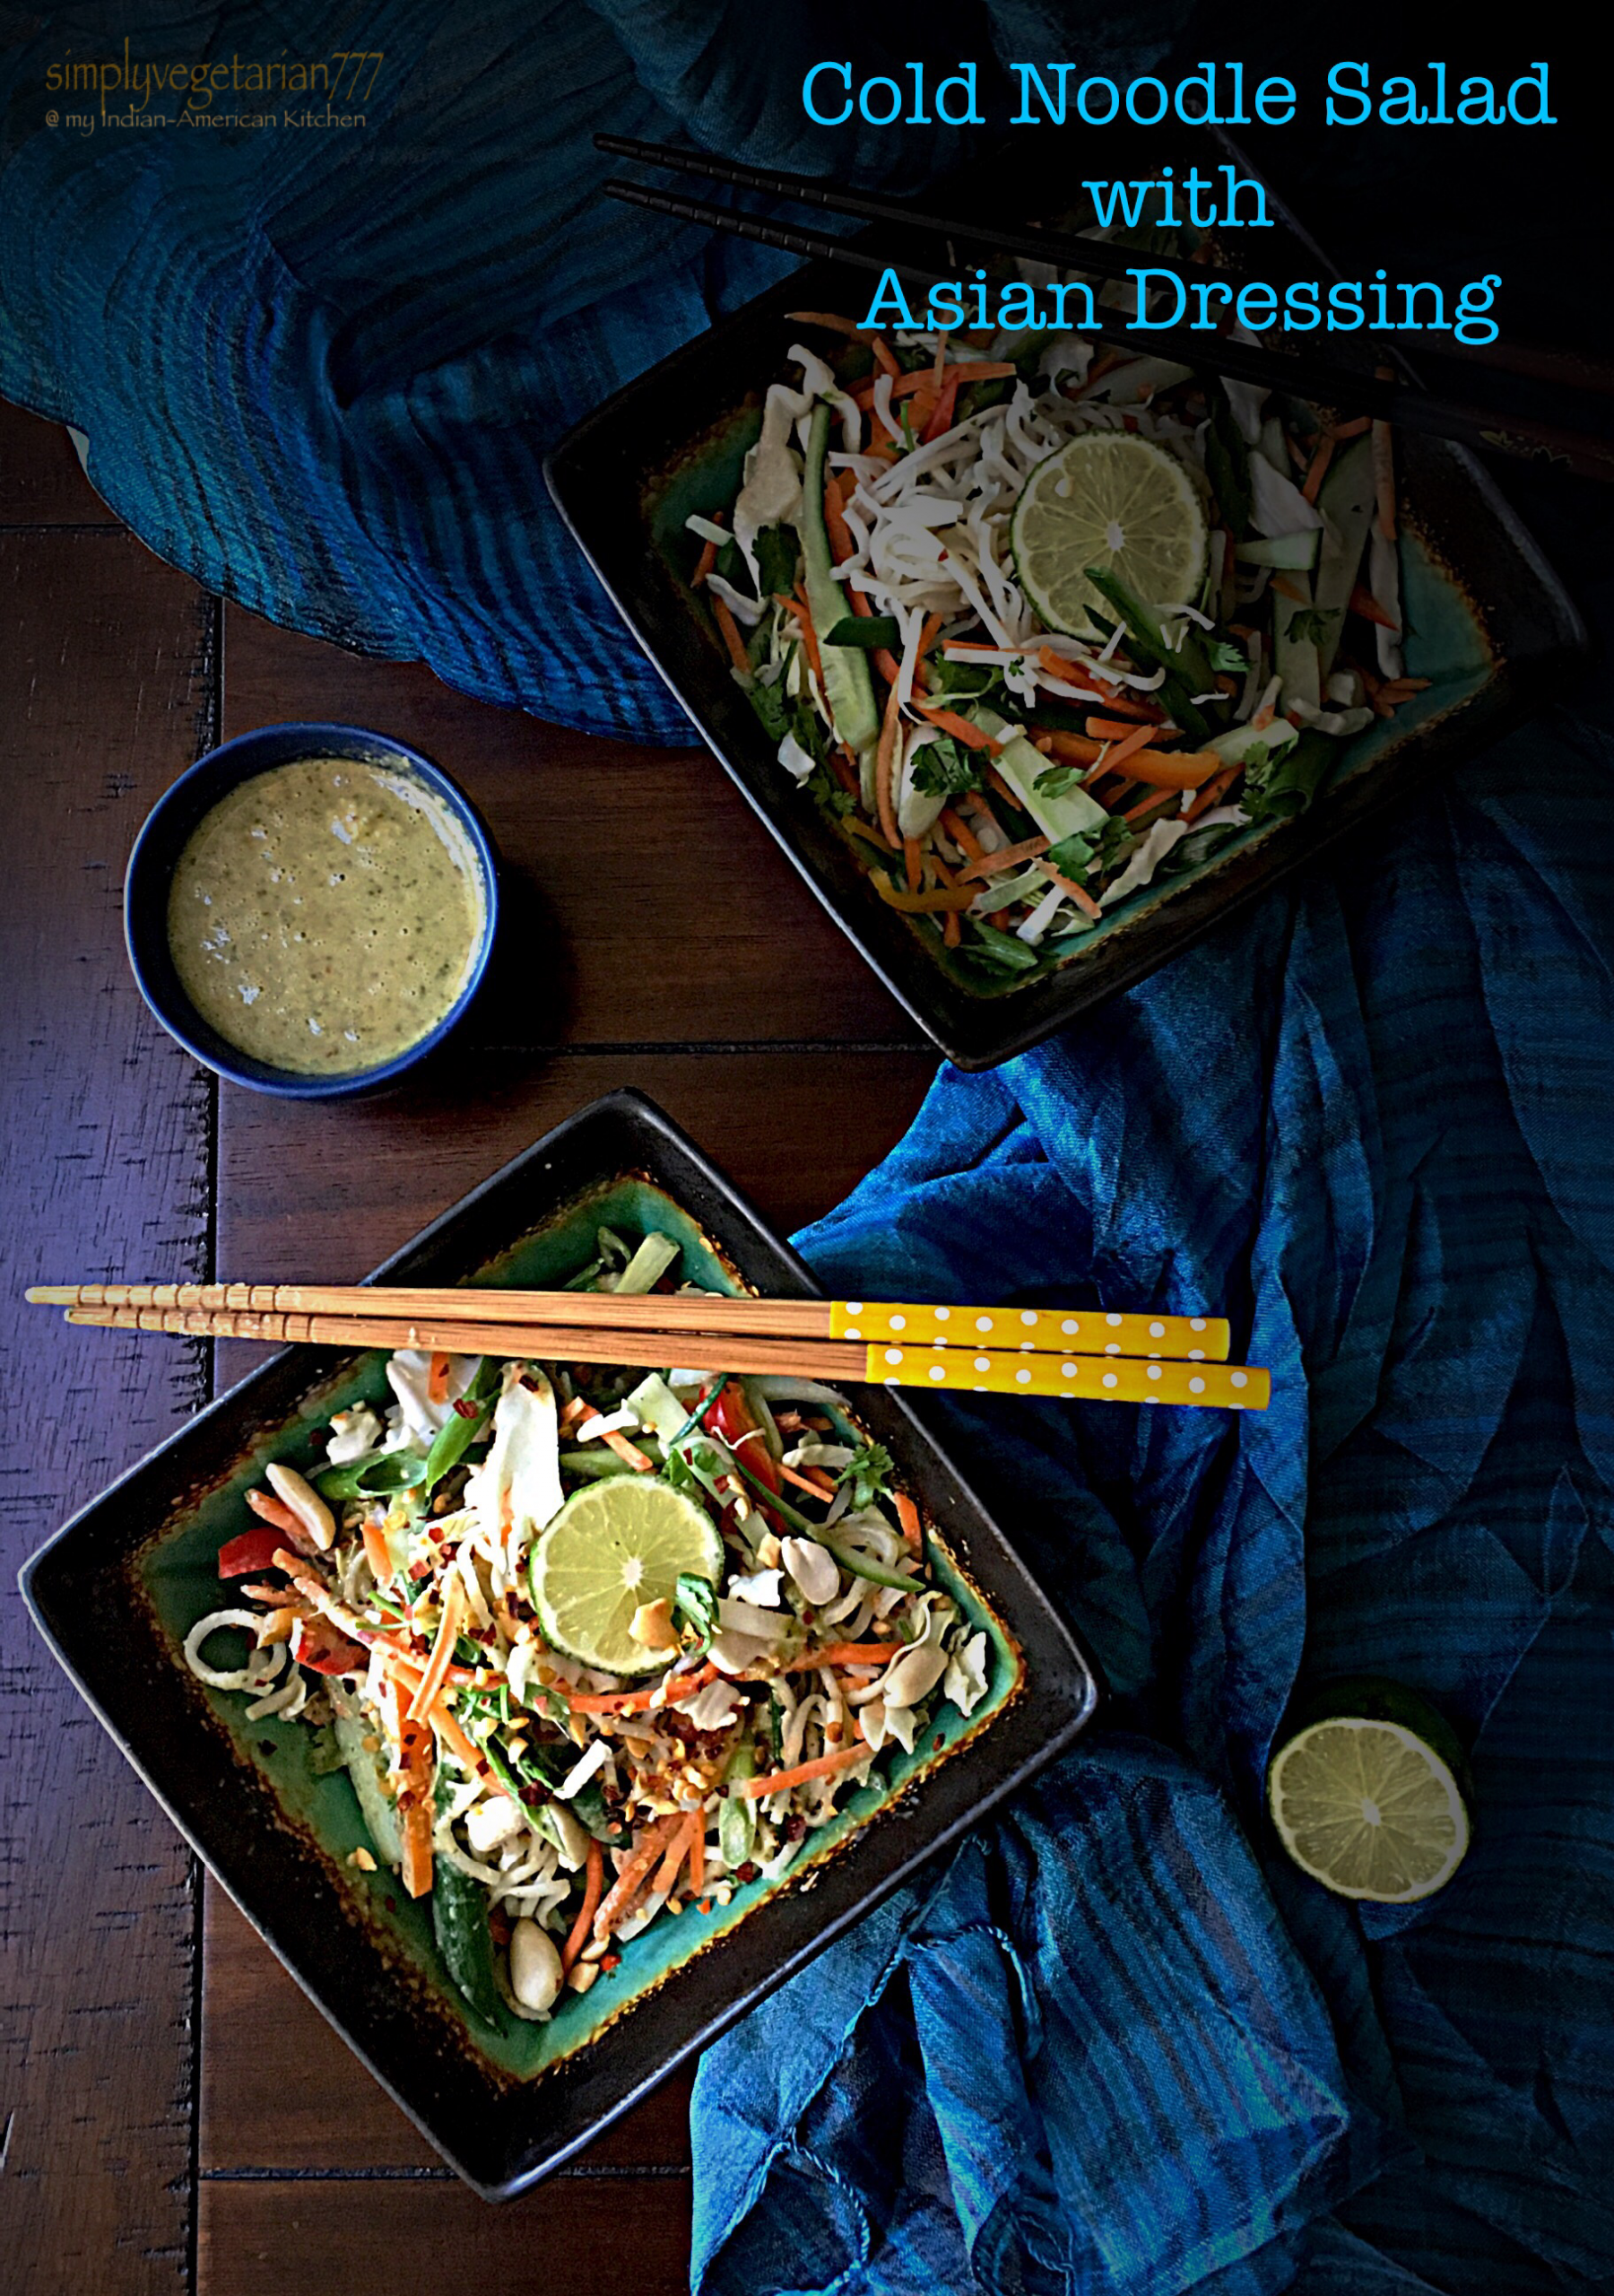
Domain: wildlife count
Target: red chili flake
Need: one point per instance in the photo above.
(608, 1961)
(746, 1873)
(794, 1828)
(391, 1905)
(937, 1743)
(467, 1409)
(705, 1905)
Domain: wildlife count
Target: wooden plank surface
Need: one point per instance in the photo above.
(645, 904)
(658, 940)
(106, 661)
(569, 2238)
(42, 482)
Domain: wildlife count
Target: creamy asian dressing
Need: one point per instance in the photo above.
(325, 915)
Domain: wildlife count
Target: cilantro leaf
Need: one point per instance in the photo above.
(1312, 622)
(1225, 655)
(779, 552)
(1057, 780)
(945, 769)
(695, 1601)
(869, 1471)
(1091, 851)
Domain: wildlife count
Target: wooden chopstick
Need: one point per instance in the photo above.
(1094, 1379)
(1054, 1331)
(1342, 389)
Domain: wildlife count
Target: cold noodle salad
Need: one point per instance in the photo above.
(594, 1646)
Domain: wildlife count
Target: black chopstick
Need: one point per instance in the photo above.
(1029, 239)
(1342, 388)
(1571, 370)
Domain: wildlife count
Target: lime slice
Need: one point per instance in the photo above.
(1367, 1806)
(1113, 501)
(612, 1546)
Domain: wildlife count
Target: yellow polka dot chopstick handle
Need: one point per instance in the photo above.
(1084, 1379)
(1046, 1331)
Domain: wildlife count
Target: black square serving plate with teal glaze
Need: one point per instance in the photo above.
(1487, 624)
(116, 1591)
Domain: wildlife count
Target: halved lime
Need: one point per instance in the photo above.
(613, 1546)
(1114, 501)
(1367, 1805)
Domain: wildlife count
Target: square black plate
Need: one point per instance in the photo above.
(671, 442)
(97, 1594)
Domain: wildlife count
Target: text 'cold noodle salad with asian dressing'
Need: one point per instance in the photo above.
(1038, 624)
(594, 1646)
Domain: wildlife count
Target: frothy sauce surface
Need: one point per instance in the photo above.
(325, 915)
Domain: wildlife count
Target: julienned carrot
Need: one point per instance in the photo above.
(415, 1826)
(677, 1850)
(697, 1855)
(1317, 469)
(1116, 729)
(941, 419)
(276, 1511)
(1011, 857)
(890, 734)
(823, 1488)
(1071, 749)
(1363, 602)
(1150, 804)
(1139, 738)
(414, 1808)
(908, 1515)
(960, 729)
(629, 1452)
(447, 1724)
(452, 1618)
(804, 613)
(638, 1701)
(1174, 769)
(730, 629)
(704, 564)
(784, 1781)
(968, 371)
(576, 1936)
(1212, 792)
(1078, 893)
(625, 1888)
(841, 546)
(377, 1554)
(961, 833)
(1095, 688)
(437, 1377)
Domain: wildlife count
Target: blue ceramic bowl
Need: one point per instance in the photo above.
(162, 840)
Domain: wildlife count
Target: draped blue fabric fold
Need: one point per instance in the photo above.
(1114, 2044)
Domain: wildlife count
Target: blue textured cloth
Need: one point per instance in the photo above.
(1115, 2044)
(319, 367)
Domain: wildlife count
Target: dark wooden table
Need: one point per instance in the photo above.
(173, 2113)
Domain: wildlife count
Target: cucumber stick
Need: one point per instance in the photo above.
(848, 687)
(1346, 501)
(364, 1768)
(1021, 763)
(459, 1915)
